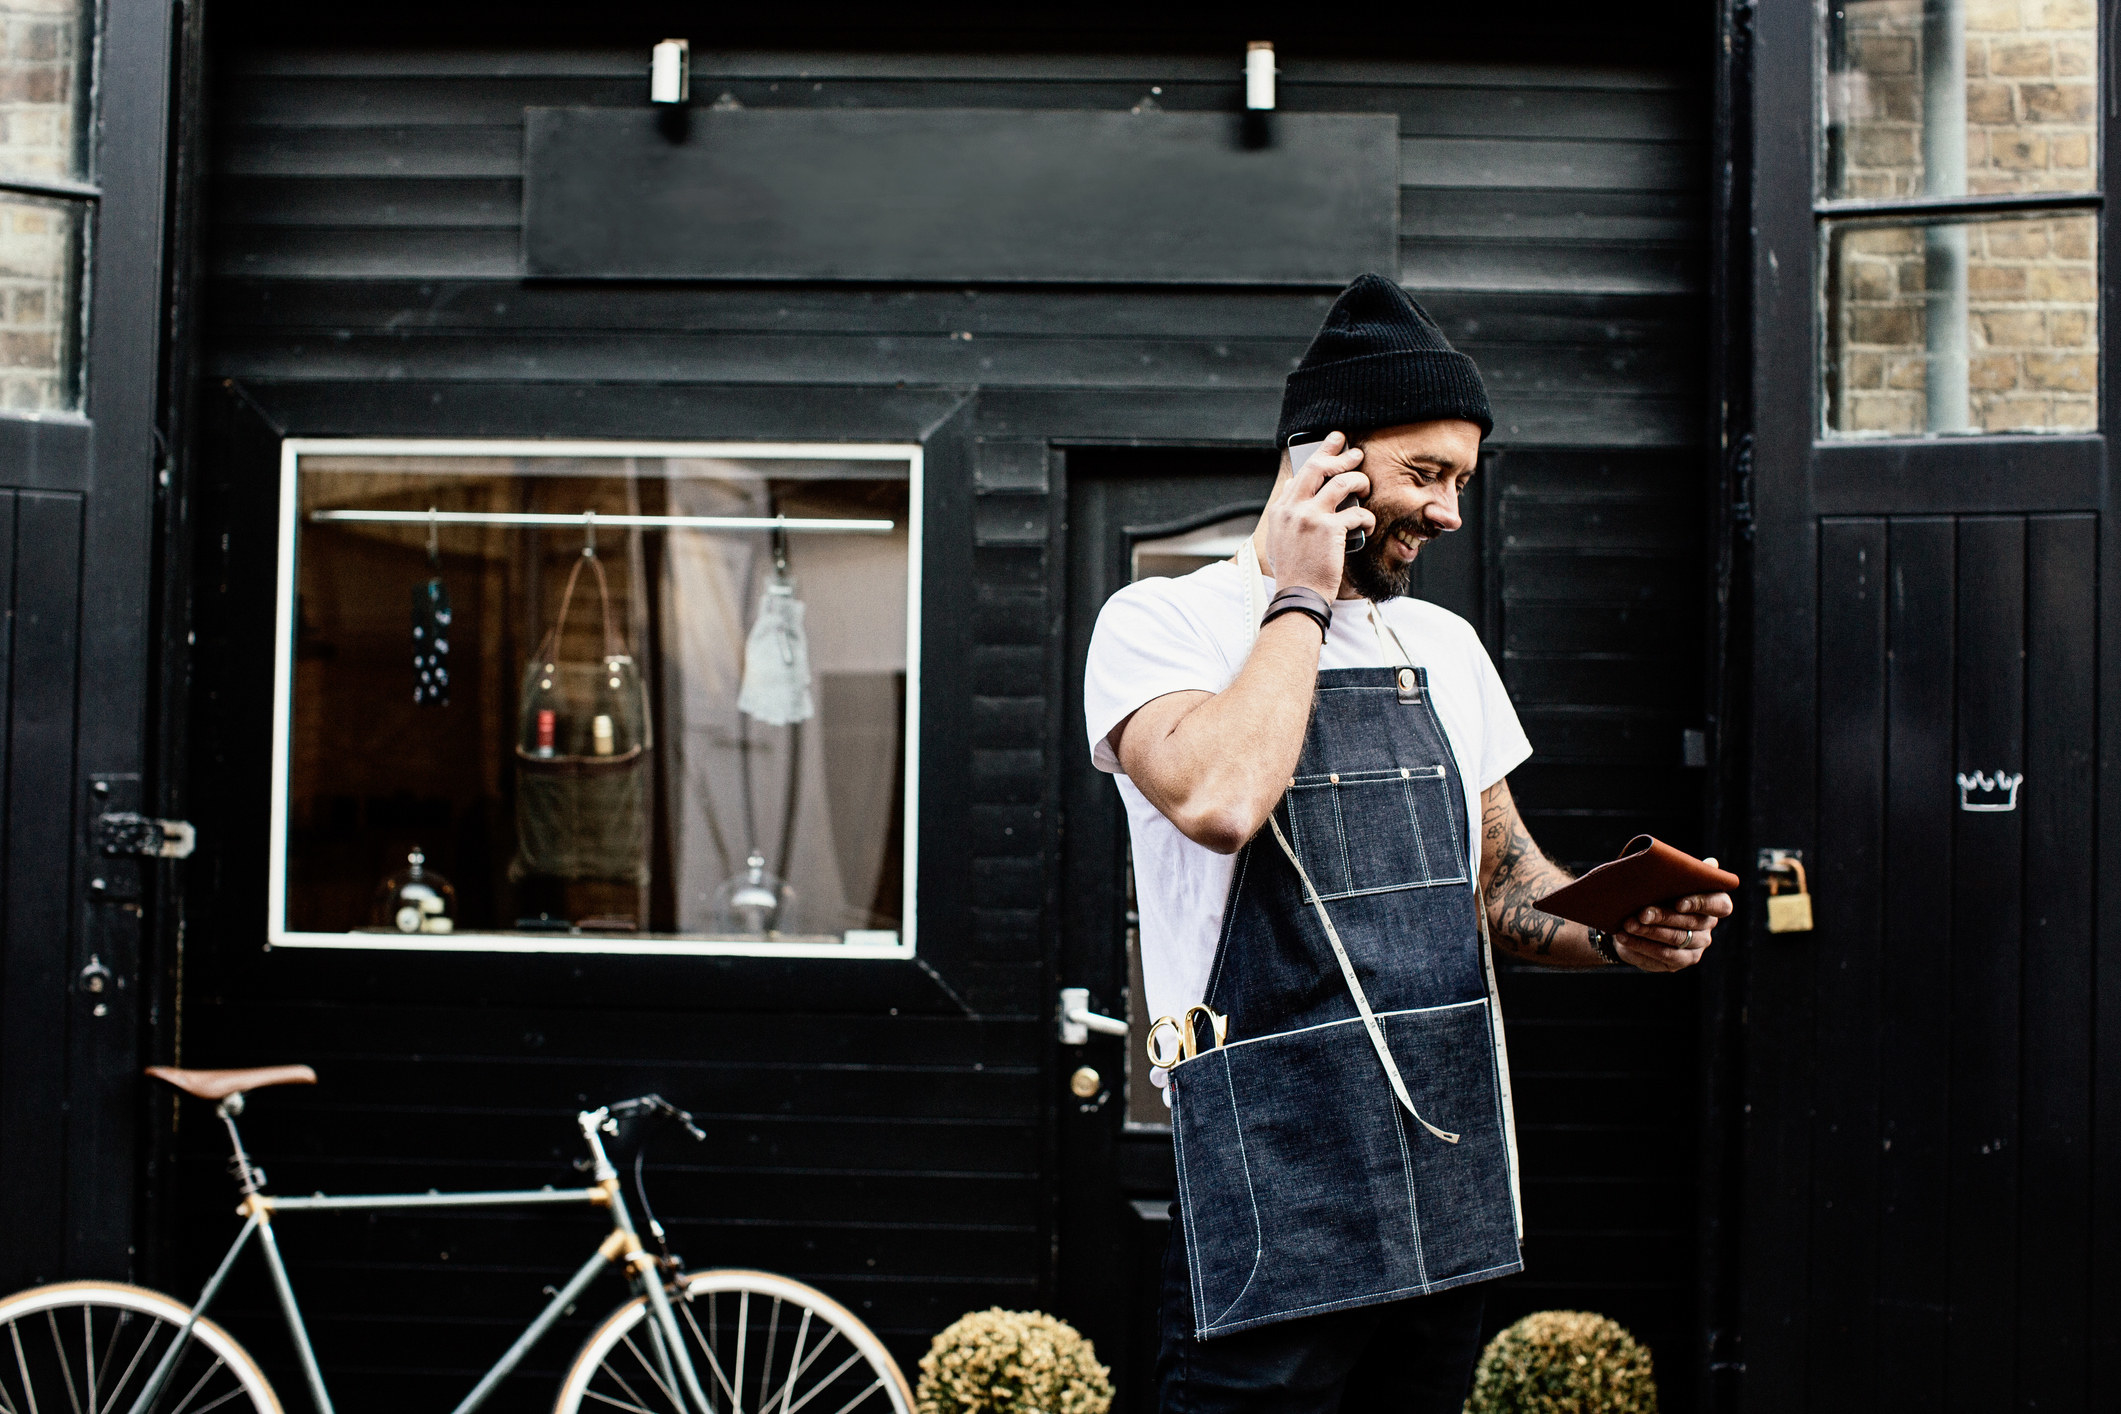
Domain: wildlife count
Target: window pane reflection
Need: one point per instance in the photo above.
(44, 82)
(1959, 97)
(1967, 326)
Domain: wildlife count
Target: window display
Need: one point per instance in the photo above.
(657, 698)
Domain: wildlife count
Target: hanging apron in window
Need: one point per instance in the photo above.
(582, 757)
(1351, 1141)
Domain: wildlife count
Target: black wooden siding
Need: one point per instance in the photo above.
(364, 278)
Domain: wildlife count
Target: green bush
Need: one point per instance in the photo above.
(1564, 1362)
(1012, 1362)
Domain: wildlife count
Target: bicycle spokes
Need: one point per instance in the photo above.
(89, 1357)
(755, 1351)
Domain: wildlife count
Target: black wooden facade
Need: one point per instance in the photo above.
(345, 254)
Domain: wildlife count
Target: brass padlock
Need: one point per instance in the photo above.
(1789, 913)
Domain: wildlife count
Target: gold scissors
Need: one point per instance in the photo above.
(1184, 1044)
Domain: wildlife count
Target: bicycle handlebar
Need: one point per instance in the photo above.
(606, 1119)
(653, 1104)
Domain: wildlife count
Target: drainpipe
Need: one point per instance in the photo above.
(1944, 247)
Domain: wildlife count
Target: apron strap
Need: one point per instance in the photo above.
(1362, 1002)
(1248, 568)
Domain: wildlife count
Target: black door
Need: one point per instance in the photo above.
(1131, 515)
(78, 485)
(1928, 1122)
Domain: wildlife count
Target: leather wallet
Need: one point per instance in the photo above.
(1648, 871)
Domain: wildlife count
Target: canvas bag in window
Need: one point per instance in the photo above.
(580, 813)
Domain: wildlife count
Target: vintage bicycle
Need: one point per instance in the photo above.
(723, 1341)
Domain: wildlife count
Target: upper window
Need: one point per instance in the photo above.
(1958, 231)
(602, 697)
(1961, 97)
(45, 56)
(46, 66)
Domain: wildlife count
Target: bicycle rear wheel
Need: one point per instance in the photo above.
(762, 1344)
(91, 1345)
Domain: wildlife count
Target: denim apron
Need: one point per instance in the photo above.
(1347, 1138)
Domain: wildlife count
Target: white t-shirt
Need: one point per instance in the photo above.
(1159, 636)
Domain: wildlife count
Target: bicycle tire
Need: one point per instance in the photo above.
(39, 1326)
(777, 1349)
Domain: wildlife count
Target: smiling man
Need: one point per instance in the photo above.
(1324, 841)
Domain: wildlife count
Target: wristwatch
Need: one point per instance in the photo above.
(1603, 942)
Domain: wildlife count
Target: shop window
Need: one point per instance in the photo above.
(46, 59)
(1958, 225)
(608, 698)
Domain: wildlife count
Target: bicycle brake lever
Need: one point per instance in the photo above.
(683, 1117)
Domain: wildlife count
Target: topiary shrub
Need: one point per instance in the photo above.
(1012, 1362)
(1564, 1362)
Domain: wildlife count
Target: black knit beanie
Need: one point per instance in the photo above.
(1380, 361)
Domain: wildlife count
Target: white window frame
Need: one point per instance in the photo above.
(879, 944)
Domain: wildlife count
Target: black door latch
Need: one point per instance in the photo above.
(121, 832)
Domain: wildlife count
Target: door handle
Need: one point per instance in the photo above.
(1077, 1021)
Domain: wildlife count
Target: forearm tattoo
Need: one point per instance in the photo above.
(1516, 873)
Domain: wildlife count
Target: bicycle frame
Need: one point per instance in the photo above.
(622, 1247)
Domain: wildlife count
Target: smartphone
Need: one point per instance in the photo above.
(1301, 446)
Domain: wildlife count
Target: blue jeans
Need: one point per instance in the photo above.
(1413, 1356)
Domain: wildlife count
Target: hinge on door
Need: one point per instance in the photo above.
(122, 832)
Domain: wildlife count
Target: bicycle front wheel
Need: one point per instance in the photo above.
(761, 1344)
(92, 1345)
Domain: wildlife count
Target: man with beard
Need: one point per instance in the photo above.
(1308, 758)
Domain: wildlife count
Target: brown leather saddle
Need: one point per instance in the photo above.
(220, 1084)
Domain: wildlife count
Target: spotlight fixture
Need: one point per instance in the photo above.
(1259, 76)
(670, 72)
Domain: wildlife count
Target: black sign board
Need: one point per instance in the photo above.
(960, 195)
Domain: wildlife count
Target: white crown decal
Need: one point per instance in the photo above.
(1998, 792)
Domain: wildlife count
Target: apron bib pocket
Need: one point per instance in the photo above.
(1371, 832)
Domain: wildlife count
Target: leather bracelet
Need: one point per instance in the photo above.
(1298, 600)
(1602, 942)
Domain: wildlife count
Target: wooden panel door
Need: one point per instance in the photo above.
(1952, 969)
(83, 480)
(1927, 1119)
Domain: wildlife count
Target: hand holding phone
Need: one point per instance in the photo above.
(1301, 446)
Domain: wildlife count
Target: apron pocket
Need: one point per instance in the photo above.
(1303, 1187)
(1464, 1195)
(1370, 832)
(1290, 1157)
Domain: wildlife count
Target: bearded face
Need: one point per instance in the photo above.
(1377, 571)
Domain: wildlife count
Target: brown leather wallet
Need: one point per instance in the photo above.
(1648, 871)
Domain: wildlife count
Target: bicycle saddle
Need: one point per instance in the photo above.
(220, 1084)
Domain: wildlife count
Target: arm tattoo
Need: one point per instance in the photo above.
(1515, 874)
